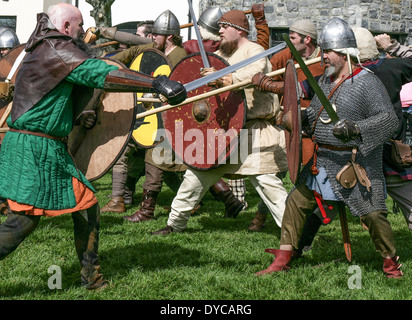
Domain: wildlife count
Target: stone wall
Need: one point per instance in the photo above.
(391, 16)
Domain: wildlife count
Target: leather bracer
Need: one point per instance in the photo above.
(125, 80)
(267, 84)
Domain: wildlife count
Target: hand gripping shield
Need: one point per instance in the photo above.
(292, 120)
(204, 133)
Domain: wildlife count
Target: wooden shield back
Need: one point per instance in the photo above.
(204, 133)
(291, 107)
(6, 64)
(153, 63)
(96, 150)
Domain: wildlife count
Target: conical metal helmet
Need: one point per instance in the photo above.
(337, 34)
(166, 23)
(209, 18)
(8, 38)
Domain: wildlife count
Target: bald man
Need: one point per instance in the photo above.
(51, 88)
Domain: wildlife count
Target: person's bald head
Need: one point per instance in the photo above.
(67, 19)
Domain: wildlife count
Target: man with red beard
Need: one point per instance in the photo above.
(261, 167)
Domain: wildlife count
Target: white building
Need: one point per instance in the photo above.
(20, 15)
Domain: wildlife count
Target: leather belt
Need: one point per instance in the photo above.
(40, 134)
(328, 146)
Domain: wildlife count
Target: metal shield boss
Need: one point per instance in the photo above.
(7, 88)
(292, 121)
(97, 149)
(203, 134)
(146, 133)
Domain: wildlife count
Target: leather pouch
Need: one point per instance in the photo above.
(401, 154)
(351, 173)
(347, 176)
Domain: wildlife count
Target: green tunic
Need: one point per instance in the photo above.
(38, 171)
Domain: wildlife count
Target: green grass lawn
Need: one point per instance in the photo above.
(216, 258)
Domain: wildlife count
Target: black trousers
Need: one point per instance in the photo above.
(18, 226)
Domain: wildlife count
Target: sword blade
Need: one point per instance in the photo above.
(345, 232)
(313, 83)
(222, 72)
(206, 63)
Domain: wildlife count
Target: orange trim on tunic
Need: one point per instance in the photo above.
(85, 199)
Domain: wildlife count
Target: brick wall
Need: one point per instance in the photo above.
(390, 16)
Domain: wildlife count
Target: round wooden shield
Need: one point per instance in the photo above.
(96, 150)
(292, 116)
(6, 64)
(204, 133)
(154, 63)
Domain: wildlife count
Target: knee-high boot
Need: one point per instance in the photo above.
(147, 207)
(222, 192)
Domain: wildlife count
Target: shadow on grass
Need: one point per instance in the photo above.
(147, 257)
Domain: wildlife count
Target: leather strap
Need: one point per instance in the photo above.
(330, 147)
(39, 134)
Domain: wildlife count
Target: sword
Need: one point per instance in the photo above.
(245, 83)
(313, 83)
(222, 72)
(206, 63)
(345, 232)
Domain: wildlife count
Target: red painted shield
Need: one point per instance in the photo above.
(293, 135)
(204, 133)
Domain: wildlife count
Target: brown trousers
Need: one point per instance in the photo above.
(301, 203)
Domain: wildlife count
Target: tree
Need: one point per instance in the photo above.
(101, 12)
(102, 15)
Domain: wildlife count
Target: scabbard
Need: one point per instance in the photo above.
(345, 232)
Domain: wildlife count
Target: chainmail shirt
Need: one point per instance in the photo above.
(364, 100)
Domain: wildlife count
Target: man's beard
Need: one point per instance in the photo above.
(86, 47)
(228, 47)
(160, 46)
(330, 71)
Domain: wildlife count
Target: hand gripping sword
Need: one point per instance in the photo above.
(334, 117)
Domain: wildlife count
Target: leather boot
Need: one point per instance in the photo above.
(258, 222)
(222, 192)
(116, 204)
(281, 262)
(147, 207)
(163, 231)
(391, 267)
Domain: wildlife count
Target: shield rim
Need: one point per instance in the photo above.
(244, 113)
(159, 117)
(5, 103)
(126, 140)
(293, 141)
